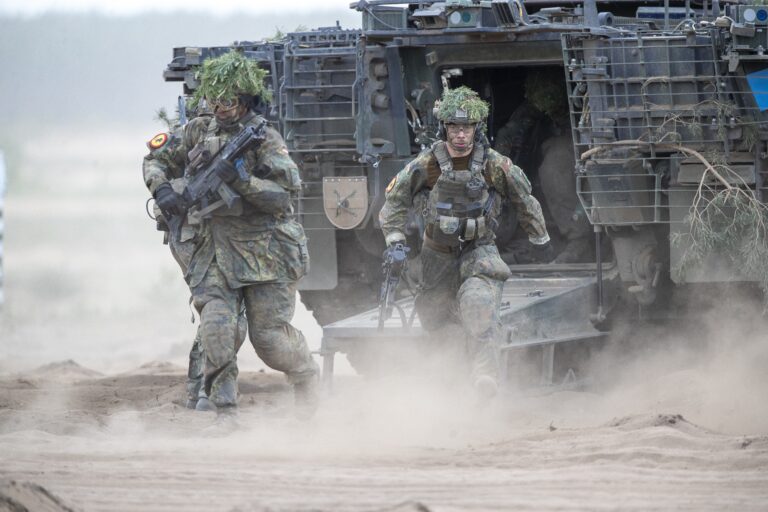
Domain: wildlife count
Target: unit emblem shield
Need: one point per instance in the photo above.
(345, 200)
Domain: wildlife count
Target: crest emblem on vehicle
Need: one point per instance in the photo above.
(345, 200)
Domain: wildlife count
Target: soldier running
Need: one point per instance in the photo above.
(252, 253)
(462, 273)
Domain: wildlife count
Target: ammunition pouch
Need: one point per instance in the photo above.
(457, 223)
(450, 231)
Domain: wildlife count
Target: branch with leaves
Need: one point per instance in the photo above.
(725, 217)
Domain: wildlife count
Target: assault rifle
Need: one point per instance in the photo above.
(395, 259)
(205, 188)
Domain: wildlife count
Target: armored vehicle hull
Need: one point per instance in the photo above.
(649, 115)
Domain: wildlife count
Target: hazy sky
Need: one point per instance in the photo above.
(123, 7)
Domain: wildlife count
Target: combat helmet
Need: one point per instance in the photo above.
(230, 77)
(461, 106)
(544, 90)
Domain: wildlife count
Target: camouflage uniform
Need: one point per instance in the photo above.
(464, 282)
(162, 165)
(251, 254)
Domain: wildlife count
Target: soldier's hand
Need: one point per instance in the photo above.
(226, 171)
(396, 252)
(395, 237)
(544, 253)
(169, 202)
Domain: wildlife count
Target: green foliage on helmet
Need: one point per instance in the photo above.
(228, 76)
(545, 89)
(461, 105)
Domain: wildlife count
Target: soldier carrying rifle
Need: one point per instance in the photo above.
(249, 250)
(462, 273)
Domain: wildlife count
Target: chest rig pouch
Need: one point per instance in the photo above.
(457, 201)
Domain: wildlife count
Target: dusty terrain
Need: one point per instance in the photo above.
(92, 346)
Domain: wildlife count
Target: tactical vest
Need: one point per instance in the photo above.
(456, 211)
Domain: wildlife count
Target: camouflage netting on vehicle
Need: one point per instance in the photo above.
(229, 76)
(464, 101)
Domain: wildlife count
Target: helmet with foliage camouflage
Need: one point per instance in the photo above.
(230, 76)
(544, 89)
(461, 105)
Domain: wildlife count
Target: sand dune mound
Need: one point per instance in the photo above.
(645, 421)
(66, 371)
(407, 506)
(157, 368)
(62, 422)
(27, 496)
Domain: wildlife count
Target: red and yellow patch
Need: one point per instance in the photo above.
(391, 185)
(158, 141)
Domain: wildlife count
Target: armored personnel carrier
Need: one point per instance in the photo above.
(651, 110)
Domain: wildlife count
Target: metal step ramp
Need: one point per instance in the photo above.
(543, 307)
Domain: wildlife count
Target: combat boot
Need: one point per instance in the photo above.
(205, 405)
(225, 423)
(486, 388)
(221, 396)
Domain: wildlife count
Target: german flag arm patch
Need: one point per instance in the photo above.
(158, 141)
(391, 185)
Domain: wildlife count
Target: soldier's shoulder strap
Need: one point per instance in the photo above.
(196, 129)
(479, 154)
(443, 158)
(212, 127)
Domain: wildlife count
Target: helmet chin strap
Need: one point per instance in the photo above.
(479, 132)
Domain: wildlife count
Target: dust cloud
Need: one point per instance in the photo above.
(94, 336)
(93, 343)
(709, 371)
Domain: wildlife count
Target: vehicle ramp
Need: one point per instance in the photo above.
(545, 309)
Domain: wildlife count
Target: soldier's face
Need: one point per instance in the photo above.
(227, 111)
(460, 137)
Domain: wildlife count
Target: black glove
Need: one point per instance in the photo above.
(169, 202)
(543, 253)
(226, 171)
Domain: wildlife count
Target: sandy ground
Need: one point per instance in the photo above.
(92, 346)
